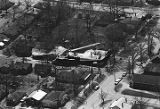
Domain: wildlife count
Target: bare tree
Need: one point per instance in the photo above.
(113, 7)
(129, 67)
(133, 62)
(28, 4)
(14, 11)
(142, 53)
(102, 96)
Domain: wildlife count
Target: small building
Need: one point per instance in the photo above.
(14, 98)
(145, 82)
(120, 103)
(35, 98)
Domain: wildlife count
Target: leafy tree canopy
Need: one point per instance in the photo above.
(116, 32)
(22, 49)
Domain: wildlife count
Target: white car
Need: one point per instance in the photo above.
(117, 81)
(23, 98)
(124, 74)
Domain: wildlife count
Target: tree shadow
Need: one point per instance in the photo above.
(105, 102)
(138, 94)
(118, 87)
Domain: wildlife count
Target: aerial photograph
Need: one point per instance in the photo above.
(79, 54)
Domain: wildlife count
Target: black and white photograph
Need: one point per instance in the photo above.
(79, 54)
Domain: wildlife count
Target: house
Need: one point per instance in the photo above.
(35, 97)
(73, 76)
(120, 103)
(145, 82)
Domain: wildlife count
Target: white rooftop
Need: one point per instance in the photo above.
(37, 95)
(1, 44)
(37, 52)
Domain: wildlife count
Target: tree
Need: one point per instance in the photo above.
(142, 54)
(14, 12)
(116, 35)
(22, 49)
(113, 8)
(116, 32)
(102, 96)
(7, 52)
(62, 12)
(28, 4)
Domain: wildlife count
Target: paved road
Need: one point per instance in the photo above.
(105, 8)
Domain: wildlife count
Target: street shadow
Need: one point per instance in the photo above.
(104, 103)
(138, 94)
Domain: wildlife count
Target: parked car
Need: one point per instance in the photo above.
(117, 81)
(96, 87)
(124, 74)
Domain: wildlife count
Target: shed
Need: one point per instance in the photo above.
(37, 95)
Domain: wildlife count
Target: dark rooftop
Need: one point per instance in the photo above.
(146, 79)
